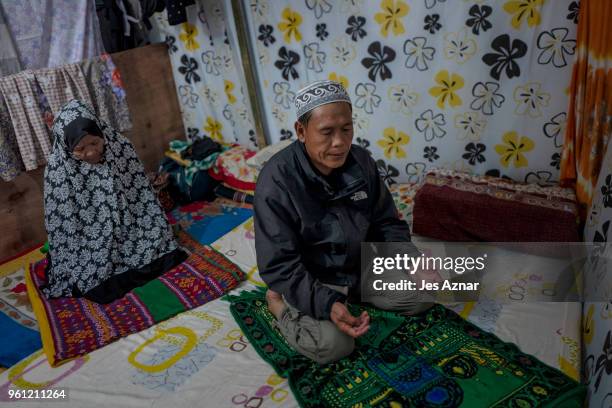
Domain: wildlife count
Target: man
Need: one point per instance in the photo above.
(315, 202)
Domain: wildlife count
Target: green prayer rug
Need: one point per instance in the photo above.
(436, 359)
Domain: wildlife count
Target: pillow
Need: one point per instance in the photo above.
(265, 154)
(455, 206)
(231, 168)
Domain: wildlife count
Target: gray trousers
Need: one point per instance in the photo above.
(322, 341)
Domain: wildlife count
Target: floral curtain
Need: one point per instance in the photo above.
(473, 85)
(208, 73)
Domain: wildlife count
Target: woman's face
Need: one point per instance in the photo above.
(90, 149)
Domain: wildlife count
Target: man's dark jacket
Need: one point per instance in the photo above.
(309, 227)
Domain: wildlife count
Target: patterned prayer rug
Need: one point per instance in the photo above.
(71, 327)
(436, 359)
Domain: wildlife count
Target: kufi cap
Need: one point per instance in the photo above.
(319, 93)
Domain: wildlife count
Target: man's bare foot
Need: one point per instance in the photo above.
(276, 304)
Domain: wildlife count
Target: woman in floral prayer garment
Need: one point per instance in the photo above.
(107, 232)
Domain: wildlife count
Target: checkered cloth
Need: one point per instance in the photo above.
(62, 84)
(27, 95)
(33, 137)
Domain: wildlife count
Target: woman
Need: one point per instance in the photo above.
(107, 232)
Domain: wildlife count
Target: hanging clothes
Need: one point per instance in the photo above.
(22, 100)
(9, 60)
(124, 24)
(106, 88)
(96, 82)
(115, 26)
(30, 99)
(49, 33)
(63, 84)
(10, 162)
(177, 10)
(148, 8)
(105, 226)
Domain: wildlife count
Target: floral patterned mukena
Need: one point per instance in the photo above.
(101, 219)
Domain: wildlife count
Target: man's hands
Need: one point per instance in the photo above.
(347, 323)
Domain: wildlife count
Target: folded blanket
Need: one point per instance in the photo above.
(71, 327)
(231, 168)
(435, 359)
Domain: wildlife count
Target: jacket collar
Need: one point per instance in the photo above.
(348, 179)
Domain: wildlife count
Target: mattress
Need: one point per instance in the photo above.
(200, 358)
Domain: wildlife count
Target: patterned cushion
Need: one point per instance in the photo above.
(231, 168)
(456, 206)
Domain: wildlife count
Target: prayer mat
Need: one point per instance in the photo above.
(435, 359)
(71, 327)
